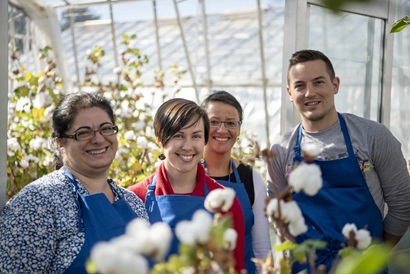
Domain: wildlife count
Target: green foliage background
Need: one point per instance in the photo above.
(37, 93)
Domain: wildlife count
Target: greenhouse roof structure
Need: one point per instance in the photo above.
(240, 46)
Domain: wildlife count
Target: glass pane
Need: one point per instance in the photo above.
(354, 44)
(400, 100)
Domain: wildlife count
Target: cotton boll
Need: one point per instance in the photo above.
(214, 200)
(216, 268)
(105, 256)
(124, 242)
(185, 233)
(138, 230)
(363, 238)
(347, 229)
(13, 144)
(142, 243)
(230, 237)
(160, 239)
(310, 150)
(314, 180)
(297, 177)
(195, 231)
(48, 161)
(129, 135)
(229, 196)
(24, 163)
(142, 142)
(202, 222)
(202, 234)
(117, 70)
(298, 227)
(272, 208)
(37, 143)
(291, 212)
(137, 226)
(203, 217)
(32, 158)
(306, 177)
(131, 264)
(220, 199)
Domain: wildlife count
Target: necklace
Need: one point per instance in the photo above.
(203, 162)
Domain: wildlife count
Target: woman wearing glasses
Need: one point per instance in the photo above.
(179, 186)
(225, 118)
(51, 224)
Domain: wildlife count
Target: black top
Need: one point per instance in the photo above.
(245, 172)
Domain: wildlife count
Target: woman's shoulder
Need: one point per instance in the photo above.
(134, 202)
(44, 199)
(212, 183)
(142, 184)
(244, 168)
(141, 188)
(47, 187)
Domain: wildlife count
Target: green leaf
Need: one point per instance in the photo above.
(22, 91)
(307, 247)
(400, 24)
(348, 251)
(287, 245)
(373, 260)
(316, 244)
(136, 52)
(90, 267)
(337, 5)
(284, 267)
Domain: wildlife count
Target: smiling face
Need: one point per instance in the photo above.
(94, 156)
(185, 148)
(312, 92)
(221, 140)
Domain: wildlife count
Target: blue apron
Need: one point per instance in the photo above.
(344, 198)
(243, 198)
(172, 209)
(100, 220)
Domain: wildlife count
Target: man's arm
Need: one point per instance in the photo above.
(390, 239)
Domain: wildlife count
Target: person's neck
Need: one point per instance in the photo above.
(218, 165)
(94, 183)
(182, 182)
(320, 125)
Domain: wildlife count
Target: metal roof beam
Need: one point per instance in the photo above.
(91, 3)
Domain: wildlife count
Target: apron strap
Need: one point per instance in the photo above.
(297, 151)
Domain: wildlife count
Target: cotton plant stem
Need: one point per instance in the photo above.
(267, 154)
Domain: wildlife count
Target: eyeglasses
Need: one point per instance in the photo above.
(227, 124)
(87, 134)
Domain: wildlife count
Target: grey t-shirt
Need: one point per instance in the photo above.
(378, 153)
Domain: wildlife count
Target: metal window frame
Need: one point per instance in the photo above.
(3, 103)
(296, 14)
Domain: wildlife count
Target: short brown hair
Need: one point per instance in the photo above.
(311, 55)
(175, 114)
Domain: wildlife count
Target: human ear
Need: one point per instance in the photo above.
(336, 84)
(159, 142)
(57, 142)
(289, 93)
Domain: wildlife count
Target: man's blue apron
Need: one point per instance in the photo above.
(172, 209)
(100, 220)
(243, 198)
(344, 198)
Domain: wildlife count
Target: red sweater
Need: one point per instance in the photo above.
(163, 187)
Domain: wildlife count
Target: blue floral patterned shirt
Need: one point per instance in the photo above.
(39, 226)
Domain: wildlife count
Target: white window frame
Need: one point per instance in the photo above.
(296, 24)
